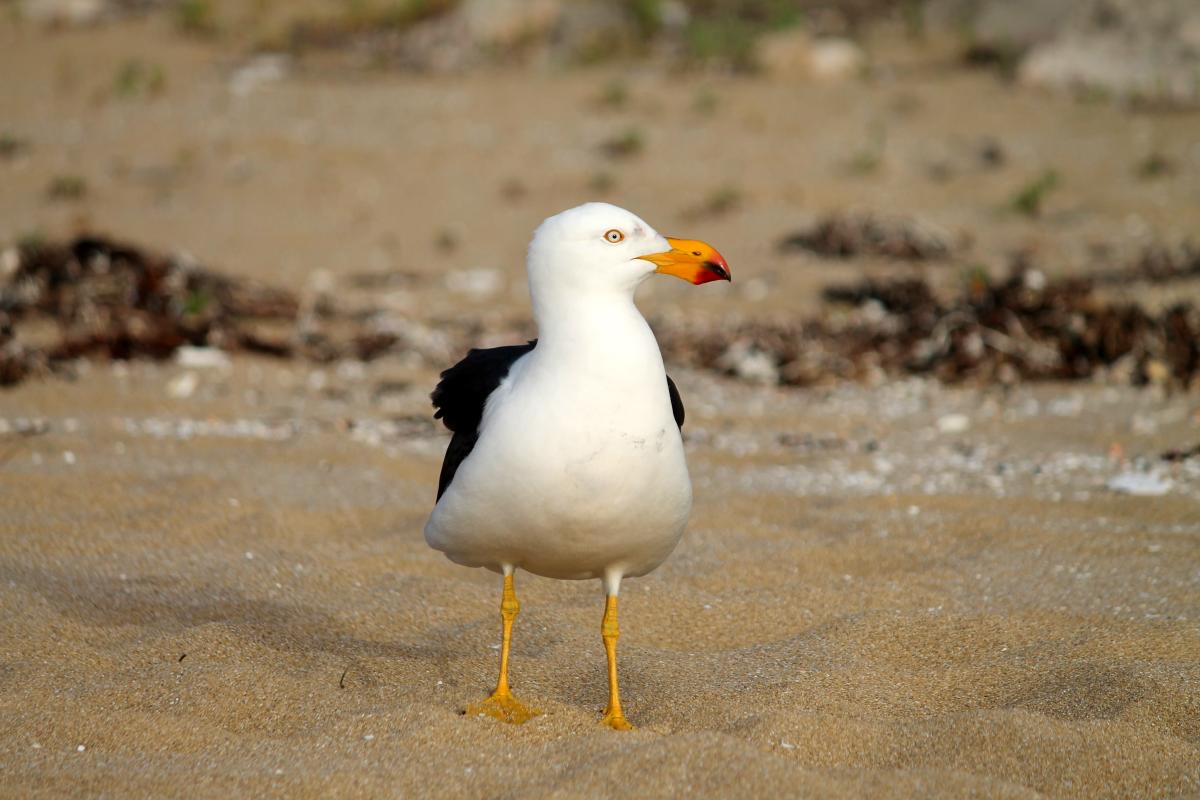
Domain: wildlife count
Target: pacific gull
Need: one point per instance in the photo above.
(566, 458)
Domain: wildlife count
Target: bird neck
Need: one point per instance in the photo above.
(590, 324)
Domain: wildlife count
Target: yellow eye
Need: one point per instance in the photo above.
(614, 236)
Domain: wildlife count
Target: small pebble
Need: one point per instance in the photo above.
(1140, 484)
(183, 386)
(953, 423)
(202, 358)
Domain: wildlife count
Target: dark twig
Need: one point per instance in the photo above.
(1181, 455)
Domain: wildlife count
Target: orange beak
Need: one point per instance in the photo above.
(695, 262)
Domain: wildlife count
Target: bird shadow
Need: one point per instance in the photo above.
(160, 603)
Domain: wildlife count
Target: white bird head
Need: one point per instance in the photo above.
(599, 247)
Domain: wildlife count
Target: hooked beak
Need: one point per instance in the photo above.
(695, 262)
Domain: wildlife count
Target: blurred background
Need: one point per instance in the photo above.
(395, 155)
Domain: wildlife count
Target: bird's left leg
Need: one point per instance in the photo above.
(613, 716)
(501, 704)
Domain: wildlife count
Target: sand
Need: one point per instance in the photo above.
(891, 591)
(195, 607)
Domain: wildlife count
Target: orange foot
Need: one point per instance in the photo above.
(504, 707)
(616, 721)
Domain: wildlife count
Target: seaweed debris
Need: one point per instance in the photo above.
(1176, 454)
(95, 297)
(102, 297)
(1157, 263)
(849, 234)
(1025, 327)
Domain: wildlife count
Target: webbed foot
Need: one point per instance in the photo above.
(504, 707)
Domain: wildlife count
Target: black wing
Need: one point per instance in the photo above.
(676, 402)
(460, 397)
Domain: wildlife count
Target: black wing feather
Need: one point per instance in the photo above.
(676, 402)
(461, 395)
(461, 445)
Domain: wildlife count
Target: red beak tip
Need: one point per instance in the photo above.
(718, 270)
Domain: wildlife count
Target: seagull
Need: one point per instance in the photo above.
(566, 458)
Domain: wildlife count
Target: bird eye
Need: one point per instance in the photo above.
(614, 236)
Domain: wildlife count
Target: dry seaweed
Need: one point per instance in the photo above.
(1024, 327)
(109, 299)
(106, 299)
(1157, 263)
(845, 235)
(1177, 454)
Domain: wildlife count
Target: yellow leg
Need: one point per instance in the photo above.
(613, 716)
(501, 704)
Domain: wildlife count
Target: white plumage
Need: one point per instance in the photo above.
(567, 459)
(579, 469)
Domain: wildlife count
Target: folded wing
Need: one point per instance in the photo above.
(460, 397)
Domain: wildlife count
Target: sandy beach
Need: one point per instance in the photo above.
(214, 582)
(202, 602)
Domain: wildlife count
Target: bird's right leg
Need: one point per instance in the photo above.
(501, 704)
(613, 716)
